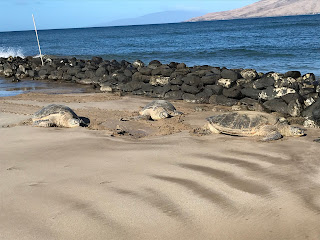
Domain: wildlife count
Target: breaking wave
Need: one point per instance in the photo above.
(7, 52)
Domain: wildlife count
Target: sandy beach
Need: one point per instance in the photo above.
(157, 180)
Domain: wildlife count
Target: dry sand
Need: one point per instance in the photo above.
(157, 181)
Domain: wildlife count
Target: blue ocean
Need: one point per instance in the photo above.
(265, 44)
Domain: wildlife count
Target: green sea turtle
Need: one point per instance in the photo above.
(55, 115)
(159, 109)
(247, 123)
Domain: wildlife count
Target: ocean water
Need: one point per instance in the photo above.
(266, 44)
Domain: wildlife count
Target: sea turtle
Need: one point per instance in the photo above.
(55, 115)
(247, 123)
(159, 109)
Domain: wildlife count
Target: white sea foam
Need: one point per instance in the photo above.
(7, 52)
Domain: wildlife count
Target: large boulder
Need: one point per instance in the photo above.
(263, 83)
(210, 79)
(189, 89)
(276, 105)
(145, 71)
(222, 100)
(175, 95)
(295, 108)
(251, 93)
(249, 74)
(215, 89)
(192, 80)
(188, 97)
(138, 64)
(293, 74)
(226, 82)
(312, 111)
(159, 80)
(251, 104)
(234, 92)
(271, 93)
(230, 74)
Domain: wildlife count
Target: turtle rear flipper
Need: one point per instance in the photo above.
(274, 135)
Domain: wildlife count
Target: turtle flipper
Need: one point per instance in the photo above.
(274, 135)
(317, 140)
(43, 123)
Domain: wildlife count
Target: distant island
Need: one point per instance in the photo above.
(265, 8)
(154, 18)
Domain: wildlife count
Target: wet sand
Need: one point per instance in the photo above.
(156, 181)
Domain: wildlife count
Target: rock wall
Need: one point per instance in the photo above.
(289, 94)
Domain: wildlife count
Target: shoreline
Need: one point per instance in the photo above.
(290, 95)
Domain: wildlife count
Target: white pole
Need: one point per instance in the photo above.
(35, 29)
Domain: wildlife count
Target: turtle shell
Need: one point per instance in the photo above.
(54, 109)
(160, 103)
(241, 123)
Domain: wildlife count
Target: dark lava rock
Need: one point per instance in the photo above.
(145, 71)
(293, 74)
(175, 87)
(295, 108)
(154, 64)
(147, 87)
(137, 76)
(276, 105)
(131, 86)
(96, 60)
(180, 72)
(156, 71)
(216, 89)
(175, 95)
(230, 74)
(73, 71)
(306, 91)
(251, 104)
(173, 64)
(100, 71)
(176, 80)
(192, 80)
(263, 83)
(216, 70)
(210, 79)
(181, 66)
(203, 97)
(128, 73)
(189, 98)
(222, 100)
(251, 93)
(166, 71)
(234, 92)
(90, 74)
(189, 89)
(308, 112)
(292, 97)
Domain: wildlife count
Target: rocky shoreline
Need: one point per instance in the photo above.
(291, 95)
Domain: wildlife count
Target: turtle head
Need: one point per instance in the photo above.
(159, 113)
(74, 122)
(296, 131)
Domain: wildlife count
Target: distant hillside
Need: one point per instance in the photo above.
(266, 8)
(155, 18)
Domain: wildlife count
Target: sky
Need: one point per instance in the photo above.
(16, 15)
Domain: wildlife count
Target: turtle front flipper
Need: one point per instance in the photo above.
(43, 123)
(274, 135)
